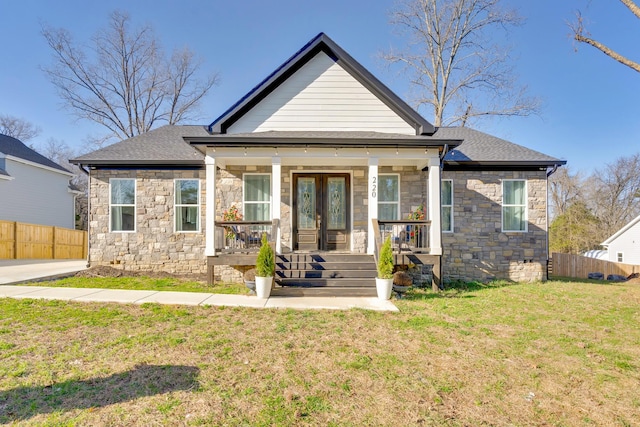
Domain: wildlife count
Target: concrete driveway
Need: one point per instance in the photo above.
(13, 271)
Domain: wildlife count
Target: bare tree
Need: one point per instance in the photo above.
(614, 193)
(123, 81)
(453, 62)
(18, 128)
(59, 152)
(565, 190)
(582, 36)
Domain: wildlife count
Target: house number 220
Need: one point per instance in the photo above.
(374, 187)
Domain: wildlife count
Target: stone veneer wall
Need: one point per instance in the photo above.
(478, 249)
(154, 246)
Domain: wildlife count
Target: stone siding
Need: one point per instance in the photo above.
(154, 246)
(478, 249)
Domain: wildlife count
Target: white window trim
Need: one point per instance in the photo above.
(399, 202)
(135, 204)
(176, 206)
(270, 194)
(526, 207)
(445, 206)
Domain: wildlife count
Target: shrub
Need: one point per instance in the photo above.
(385, 260)
(265, 263)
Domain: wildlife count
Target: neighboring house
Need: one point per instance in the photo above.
(624, 246)
(34, 189)
(325, 159)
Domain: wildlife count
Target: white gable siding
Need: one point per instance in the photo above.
(36, 196)
(629, 244)
(321, 96)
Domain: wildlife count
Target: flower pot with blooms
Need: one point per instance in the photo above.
(231, 214)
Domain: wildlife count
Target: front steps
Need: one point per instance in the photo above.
(325, 274)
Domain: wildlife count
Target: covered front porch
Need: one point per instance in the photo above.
(322, 197)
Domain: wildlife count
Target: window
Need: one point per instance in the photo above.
(122, 200)
(257, 197)
(620, 257)
(388, 197)
(187, 204)
(514, 207)
(447, 205)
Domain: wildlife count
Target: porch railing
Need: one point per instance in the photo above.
(243, 236)
(411, 236)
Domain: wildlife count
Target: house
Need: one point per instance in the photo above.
(328, 162)
(34, 189)
(624, 246)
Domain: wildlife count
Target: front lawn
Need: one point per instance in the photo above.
(146, 283)
(556, 353)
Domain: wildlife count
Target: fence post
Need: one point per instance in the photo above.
(15, 240)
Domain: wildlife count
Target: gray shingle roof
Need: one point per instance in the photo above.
(164, 145)
(480, 147)
(14, 147)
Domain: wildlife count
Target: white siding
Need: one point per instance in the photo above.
(36, 196)
(629, 244)
(321, 96)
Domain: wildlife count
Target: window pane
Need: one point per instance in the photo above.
(337, 204)
(388, 188)
(388, 211)
(257, 188)
(122, 218)
(187, 218)
(187, 192)
(513, 193)
(256, 211)
(513, 217)
(446, 193)
(123, 191)
(446, 218)
(306, 203)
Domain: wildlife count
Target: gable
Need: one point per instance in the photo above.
(289, 69)
(321, 96)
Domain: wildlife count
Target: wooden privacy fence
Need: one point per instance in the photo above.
(577, 266)
(30, 241)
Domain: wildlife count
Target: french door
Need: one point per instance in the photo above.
(321, 211)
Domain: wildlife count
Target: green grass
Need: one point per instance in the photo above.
(557, 353)
(145, 283)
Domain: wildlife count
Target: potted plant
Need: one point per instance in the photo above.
(231, 214)
(384, 281)
(250, 280)
(265, 268)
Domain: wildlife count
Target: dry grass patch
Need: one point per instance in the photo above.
(531, 354)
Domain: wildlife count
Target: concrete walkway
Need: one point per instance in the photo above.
(192, 298)
(14, 271)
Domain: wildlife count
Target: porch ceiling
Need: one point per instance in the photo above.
(316, 156)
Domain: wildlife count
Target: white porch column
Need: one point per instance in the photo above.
(210, 203)
(435, 212)
(373, 203)
(276, 192)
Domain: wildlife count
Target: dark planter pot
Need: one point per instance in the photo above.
(400, 290)
(251, 284)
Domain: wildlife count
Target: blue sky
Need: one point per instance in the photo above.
(590, 114)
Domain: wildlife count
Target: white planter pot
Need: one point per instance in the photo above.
(263, 286)
(384, 287)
